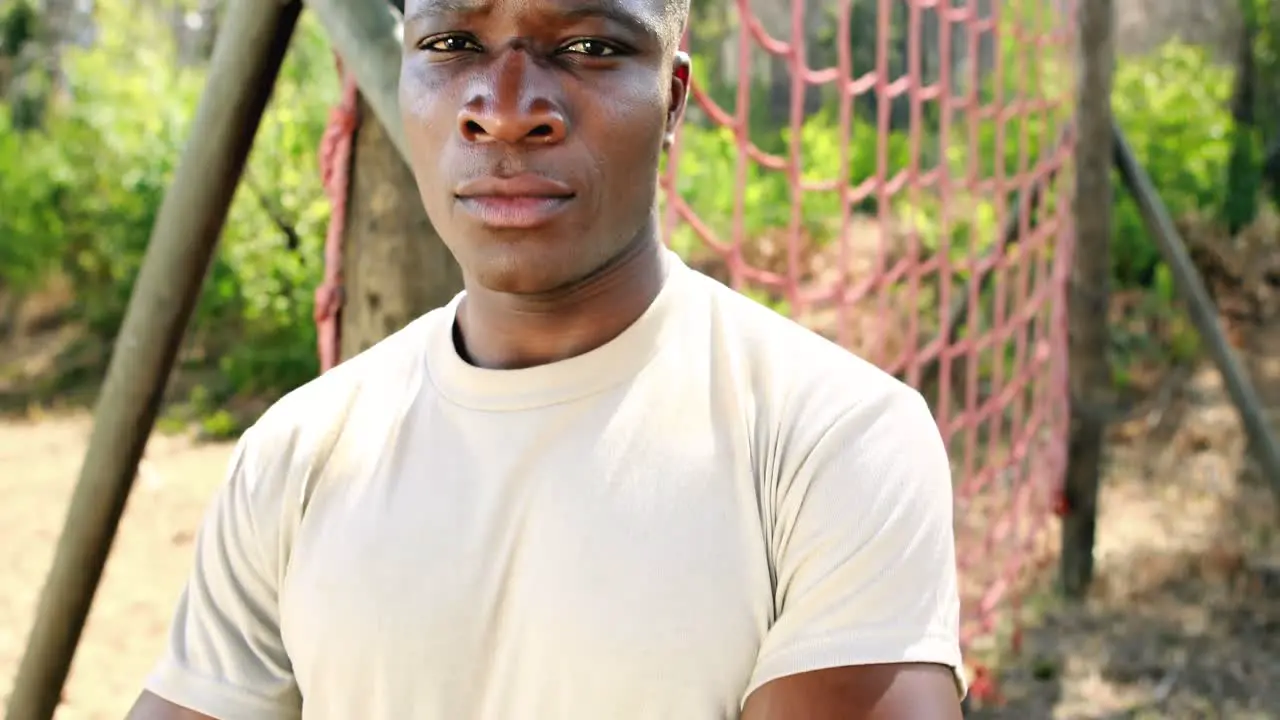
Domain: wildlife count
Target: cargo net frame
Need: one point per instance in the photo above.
(894, 174)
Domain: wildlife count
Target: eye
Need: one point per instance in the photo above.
(450, 44)
(591, 48)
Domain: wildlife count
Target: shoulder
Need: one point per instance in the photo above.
(855, 497)
(307, 429)
(805, 384)
(381, 372)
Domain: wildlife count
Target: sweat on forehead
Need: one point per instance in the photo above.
(666, 18)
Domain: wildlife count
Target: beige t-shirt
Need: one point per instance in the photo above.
(716, 498)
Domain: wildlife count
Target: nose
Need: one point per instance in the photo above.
(512, 104)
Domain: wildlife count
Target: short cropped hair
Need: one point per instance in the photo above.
(677, 19)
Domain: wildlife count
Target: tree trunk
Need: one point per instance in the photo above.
(395, 266)
(1089, 293)
(1243, 176)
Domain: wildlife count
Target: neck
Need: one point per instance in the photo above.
(502, 331)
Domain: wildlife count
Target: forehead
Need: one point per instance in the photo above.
(649, 16)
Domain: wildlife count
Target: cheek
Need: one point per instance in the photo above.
(419, 87)
(423, 110)
(628, 134)
(423, 113)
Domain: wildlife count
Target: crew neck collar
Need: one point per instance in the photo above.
(558, 382)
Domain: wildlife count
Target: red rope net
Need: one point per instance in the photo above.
(335, 171)
(906, 201)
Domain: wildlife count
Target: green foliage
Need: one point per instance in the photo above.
(258, 277)
(1255, 106)
(17, 27)
(34, 176)
(1264, 18)
(1244, 178)
(1173, 109)
(708, 178)
(220, 425)
(90, 183)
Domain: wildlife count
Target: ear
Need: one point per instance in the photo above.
(680, 78)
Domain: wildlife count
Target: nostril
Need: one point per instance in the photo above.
(473, 128)
(541, 131)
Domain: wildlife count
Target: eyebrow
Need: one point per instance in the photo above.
(434, 8)
(564, 10)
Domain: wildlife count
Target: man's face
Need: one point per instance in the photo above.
(535, 129)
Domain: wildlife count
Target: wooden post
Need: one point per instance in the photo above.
(1186, 278)
(1089, 293)
(366, 36)
(246, 60)
(395, 266)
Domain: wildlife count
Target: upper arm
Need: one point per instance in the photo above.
(153, 707)
(225, 657)
(863, 546)
(859, 692)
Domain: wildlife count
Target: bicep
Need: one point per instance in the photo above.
(907, 691)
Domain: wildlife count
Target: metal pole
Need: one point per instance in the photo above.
(245, 62)
(367, 36)
(1200, 307)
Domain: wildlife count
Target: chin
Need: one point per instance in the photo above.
(533, 261)
(525, 268)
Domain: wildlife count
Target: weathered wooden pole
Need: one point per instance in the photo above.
(395, 266)
(245, 62)
(366, 35)
(1089, 293)
(1187, 281)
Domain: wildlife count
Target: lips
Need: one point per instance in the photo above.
(519, 202)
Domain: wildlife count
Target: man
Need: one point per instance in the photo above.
(597, 485)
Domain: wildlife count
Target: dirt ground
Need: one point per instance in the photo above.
(1184, 618)
(39, 461)
(1183, 622)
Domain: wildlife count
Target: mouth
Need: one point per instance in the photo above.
(520, 202)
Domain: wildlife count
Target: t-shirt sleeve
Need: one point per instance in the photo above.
(864, 547)
(225, 657)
